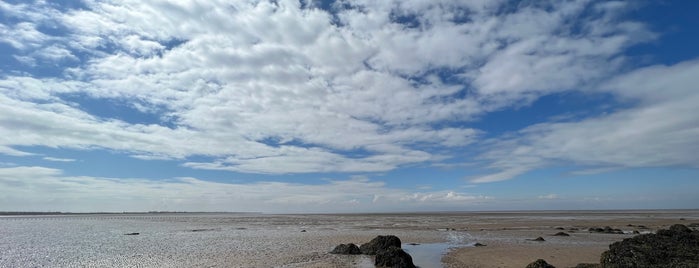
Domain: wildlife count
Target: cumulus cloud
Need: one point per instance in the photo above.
(31, 188)
(280, 87)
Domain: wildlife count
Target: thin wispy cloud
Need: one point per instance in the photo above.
(57, 159)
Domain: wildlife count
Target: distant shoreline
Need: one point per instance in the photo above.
(493, 212)
(31, 213)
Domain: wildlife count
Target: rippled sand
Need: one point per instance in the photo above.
(255, 240)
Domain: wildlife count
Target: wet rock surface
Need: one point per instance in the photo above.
(677, 246)
(540, 263)
(393, 257)
(605, 230)
(346, 249)
(380, 242)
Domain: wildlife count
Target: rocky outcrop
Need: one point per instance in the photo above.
(380, 242)
(538, 239)
(387, 249)
(346, 249)
(561, 234)
(677, 246)
(606, 230)
(393, 257)
(540, 263)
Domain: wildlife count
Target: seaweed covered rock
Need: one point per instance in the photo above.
(393, 257)
(381, 242)
(540, 263)
(347, 249)
(606, 230)
(675, 247)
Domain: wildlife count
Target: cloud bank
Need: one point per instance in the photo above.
(31, 188)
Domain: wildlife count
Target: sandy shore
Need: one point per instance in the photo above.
(230, 240)
(509, 244)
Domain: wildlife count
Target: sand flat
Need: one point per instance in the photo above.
(258, 240)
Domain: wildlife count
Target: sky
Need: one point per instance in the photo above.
(348, 106)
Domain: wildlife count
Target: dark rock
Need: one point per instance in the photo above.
(606, 230)
(679, 228)
(675, 247)
(642, 227)
(560, 228)
(347, 249)
(202, 230)
(540, 239)
(561, 234)
(380, 243)
(303, 231)
(414, 244)
(540, 264)
(133, 234)
(694, 224)
(610, 230)
(479, 245)
(393, 257)
(636, 232)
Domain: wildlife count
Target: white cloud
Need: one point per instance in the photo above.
(269, 87)
(57, 159)
(661, 129)
(549, 196)
(45, 189)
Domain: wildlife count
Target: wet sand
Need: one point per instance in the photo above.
(256, 240)
(509, 244)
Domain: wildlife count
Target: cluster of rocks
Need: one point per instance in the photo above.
(606, 230)
(386, 248)
(676, 247)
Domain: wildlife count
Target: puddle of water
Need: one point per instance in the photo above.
(429, 255)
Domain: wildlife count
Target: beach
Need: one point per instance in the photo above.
(263, 240)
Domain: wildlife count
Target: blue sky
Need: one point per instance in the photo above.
(348, 106)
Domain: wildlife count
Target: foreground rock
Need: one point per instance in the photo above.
(676, 247)
(347, 249)
(540, 264)
(382, 242)
(393, 257)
